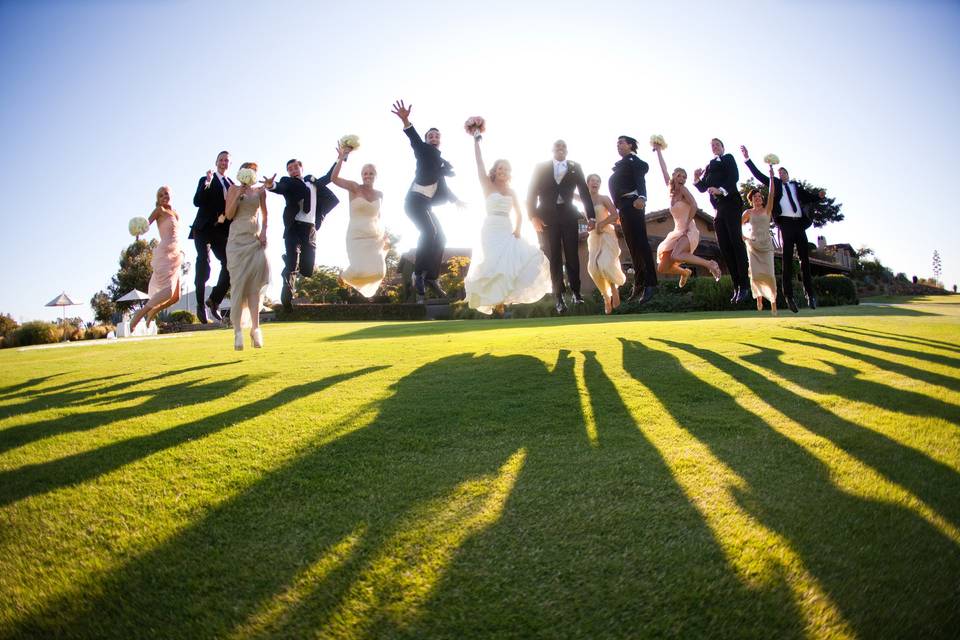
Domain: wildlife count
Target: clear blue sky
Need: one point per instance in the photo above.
(105, 101)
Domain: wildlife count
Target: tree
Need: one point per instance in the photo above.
(7, 324)
(827, 210)
(103, 306)
(134, 272)
(937, 266)
(392, 258)
(323, 284)
(451, 280)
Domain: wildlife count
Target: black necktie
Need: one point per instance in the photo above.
(226, 184)
(306, 198)
(793, 205)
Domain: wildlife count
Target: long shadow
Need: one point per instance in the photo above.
(922, 375)
(900, 351)
(87, 391)
(11, 389)
(590, 542)
(931, 480)
(889, 572)
(899, 337)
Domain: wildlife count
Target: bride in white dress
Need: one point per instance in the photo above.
(366, 240)
(505, 268)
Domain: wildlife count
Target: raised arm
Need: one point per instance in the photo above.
(771, 191)
(663, 167)
(481, 168)
(753, 168)
(335, 178)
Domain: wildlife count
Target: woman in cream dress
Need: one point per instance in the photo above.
(505, 268)
(763, 279)
(603, 248)
(679, 245)
(247, 254)
(366, 240)
(164, 287)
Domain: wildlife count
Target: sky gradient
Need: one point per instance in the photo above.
(106, 101)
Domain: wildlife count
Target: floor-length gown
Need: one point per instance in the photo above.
(684, 226)
(365, 250)
(504, 269)
(603, 249)
(246, 259)
(165, 280)
(763, 280)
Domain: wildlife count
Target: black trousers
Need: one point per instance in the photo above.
(634, 224)
(206, 240)
(300, 243)
(730, 239)
(561, 242)
(432, 241)
(794, 235)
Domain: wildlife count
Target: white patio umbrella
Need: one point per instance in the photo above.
(63, 301)
(134, 295)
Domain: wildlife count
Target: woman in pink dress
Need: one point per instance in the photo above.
(164, 287)
(680, 243)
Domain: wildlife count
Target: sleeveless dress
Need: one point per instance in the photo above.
(683, 226)
(165, 280)
(246, 259)
(603, 263)
(504, 269)
(763, 281)
(365, 250)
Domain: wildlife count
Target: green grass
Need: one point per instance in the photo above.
(943, 299)
(696, 475)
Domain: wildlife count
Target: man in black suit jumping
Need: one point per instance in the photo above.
(628, 188)
(209, 231)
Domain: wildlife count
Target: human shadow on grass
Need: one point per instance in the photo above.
(890, 573)
(366, 531)
(88, 392)
(932, 481)
(18, 387)
(898, 337)
(921, 375)
(933, 358)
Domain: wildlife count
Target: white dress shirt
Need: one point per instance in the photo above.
(786, 209)
(559, 171)
(310, 217)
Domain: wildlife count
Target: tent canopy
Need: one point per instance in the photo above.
(133, 295)
(62, 300)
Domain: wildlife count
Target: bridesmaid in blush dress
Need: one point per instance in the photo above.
(603, 248)
(680, 243)
(164, 287)
(366, 240)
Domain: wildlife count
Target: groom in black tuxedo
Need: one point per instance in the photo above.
(719, 179)
(557, 221)
(429, 188)
(209, 231)
(628, 188)
(308, 201)
(790, 204)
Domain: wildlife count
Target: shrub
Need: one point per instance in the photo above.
(35, 332)
(834, 290)
(339, 312)
(98, 332)
(183, 317)
(7, 324)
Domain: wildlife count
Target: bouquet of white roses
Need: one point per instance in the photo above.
(246, 176)
(475, 126)
(138, 226)
(657, 142)
(771, 158)
(350, 142)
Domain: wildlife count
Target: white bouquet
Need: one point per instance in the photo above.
(771, 158)
(657, 141)
(246, 176)
(138, 226)
(350, 142)
(475, 126)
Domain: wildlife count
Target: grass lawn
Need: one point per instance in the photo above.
(947, 299)
(696, 475)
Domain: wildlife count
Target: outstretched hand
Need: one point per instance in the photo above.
(461, 204)
(771, 170)
(402, 111)
(696, 174)
(746, 154)
(209, 176)
(343, 152)
(268, 182)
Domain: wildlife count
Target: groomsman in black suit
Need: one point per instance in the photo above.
(628, 188)
(308, 201)
(429, 188)
(720, 181)
(556, 219)
(790, 204)
(209, 231)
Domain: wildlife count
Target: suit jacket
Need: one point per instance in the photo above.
(544, 192)
(629, 174)
(431, 167)
(210, 202)
(805, 197)
(297, 195)
(723, 174)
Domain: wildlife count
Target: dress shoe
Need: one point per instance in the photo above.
(811, 302)
(420, 298)
(735, 296)
(743, 295)
(635, 293)
(286, 297)
(214, 310)
(202, 314)
(238, 340)
(256, 336)
(434, 286)
(648, 293)
(791, 304)
(561, 305)
(577, 298)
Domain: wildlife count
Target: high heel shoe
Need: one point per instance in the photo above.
(256, 336)
(715, 270)
(684, 277)
(238, 340)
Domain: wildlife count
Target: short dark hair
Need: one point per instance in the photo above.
(223, 152)
(720, 141)
(432, 129)
(630, 141)
(292, 160)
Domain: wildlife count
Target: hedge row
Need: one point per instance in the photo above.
(41, 332)
(341, 312)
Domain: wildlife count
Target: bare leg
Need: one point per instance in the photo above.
(253, 303)
(614, 296)
(138, 316)
(773, 306)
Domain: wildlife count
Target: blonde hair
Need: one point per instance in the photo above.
(493, 169)
(673, 180)
(157, 209)
(371, 165)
